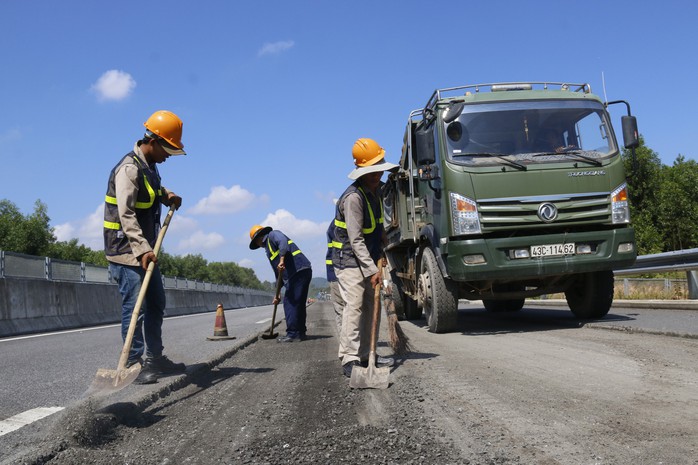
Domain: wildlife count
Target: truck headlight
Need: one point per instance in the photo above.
(464, 215)
(620, 210)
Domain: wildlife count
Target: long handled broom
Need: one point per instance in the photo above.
(397, 339)
(113, 380)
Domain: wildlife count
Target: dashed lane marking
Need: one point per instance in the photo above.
(26, 418)
(262, 321)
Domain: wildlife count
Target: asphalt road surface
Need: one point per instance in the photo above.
(532, 387)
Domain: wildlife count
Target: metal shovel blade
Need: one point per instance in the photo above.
(270, 335)
(106, 381)
(370, 377)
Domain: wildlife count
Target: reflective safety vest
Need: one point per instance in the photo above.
(331, 245)
(295, 260)
(372, 229)
(147, 207)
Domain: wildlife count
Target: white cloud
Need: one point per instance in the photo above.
(88, 231)
(222, 200)
(275, 47)
(201, 241)
(293, 227)
(246, 263)
(114, 85)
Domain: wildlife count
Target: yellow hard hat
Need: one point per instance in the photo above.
(168, 126)
(255, 231)
(367, 152)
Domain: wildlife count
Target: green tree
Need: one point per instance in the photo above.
(30, 234)
(678, 205)
(644, 180)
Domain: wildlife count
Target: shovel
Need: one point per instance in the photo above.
(371, 377)
(114, 380)
(272, 334)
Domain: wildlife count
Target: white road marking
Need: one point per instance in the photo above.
(262, 321)
(25, 418)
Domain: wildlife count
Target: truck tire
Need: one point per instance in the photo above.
(591, 295)
(437, 295)
(496, 306)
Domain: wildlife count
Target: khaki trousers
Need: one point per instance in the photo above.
(357, 316)
(338, 304)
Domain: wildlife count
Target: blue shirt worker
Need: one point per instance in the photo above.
(359, 232)
(286, 258)
(131, 226)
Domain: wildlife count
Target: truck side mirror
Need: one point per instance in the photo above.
(630, 134)
(453, 111)
(425, 146)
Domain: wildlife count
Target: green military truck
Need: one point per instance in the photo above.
(507, 191)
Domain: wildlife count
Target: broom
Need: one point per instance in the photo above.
(398, 340)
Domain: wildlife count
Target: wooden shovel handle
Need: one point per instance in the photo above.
(141, 295)
(376, 309)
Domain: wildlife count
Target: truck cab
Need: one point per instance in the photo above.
(507, 191)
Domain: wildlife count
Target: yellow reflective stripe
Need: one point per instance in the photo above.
(151, 192)
(275, 254)
(151, 195)
(328, 262)
(335, 244)
(370, 212)
(340, 224)
(111, 225)
(110, 199)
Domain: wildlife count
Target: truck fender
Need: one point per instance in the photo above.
(427, 238)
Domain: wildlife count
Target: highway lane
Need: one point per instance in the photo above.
(56, 369)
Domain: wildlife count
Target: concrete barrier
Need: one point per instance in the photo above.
(36, 305)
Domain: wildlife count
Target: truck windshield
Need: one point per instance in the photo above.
(531, 132)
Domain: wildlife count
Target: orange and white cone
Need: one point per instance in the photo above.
(220, 329)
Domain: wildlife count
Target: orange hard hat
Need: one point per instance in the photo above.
(167, 125)
(367, 152)
(255, 231)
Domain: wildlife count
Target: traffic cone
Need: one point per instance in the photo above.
(220, 329)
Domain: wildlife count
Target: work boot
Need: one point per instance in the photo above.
(161, 365)
(289, 339)
(131, 362)
(347, 367)
(146, 375)
(380, 362)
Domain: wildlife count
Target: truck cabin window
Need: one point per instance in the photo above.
(530, 133)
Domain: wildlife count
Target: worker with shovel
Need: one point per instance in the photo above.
(289, 264)
(359, 231)
(131, 227)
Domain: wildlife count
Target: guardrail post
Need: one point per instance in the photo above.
(626, 287)
(47, 268)
(2, 263)
(692, 279)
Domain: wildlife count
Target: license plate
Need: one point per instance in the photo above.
(552, 250)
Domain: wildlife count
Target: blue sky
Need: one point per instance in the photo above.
(273, 95)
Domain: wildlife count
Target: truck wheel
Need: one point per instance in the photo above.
(439, 299)
(513, 305)
(591, 295)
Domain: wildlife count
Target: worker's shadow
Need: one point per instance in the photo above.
(410, 355)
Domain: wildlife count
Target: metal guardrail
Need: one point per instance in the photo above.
(678, 260)
(16, 265)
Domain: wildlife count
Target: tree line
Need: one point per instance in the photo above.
(663, 205)
(33, 235)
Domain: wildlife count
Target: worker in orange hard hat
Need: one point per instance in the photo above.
(359, 238)
(131, 226)
(287, 261)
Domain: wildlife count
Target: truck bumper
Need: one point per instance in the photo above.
(501, 264)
